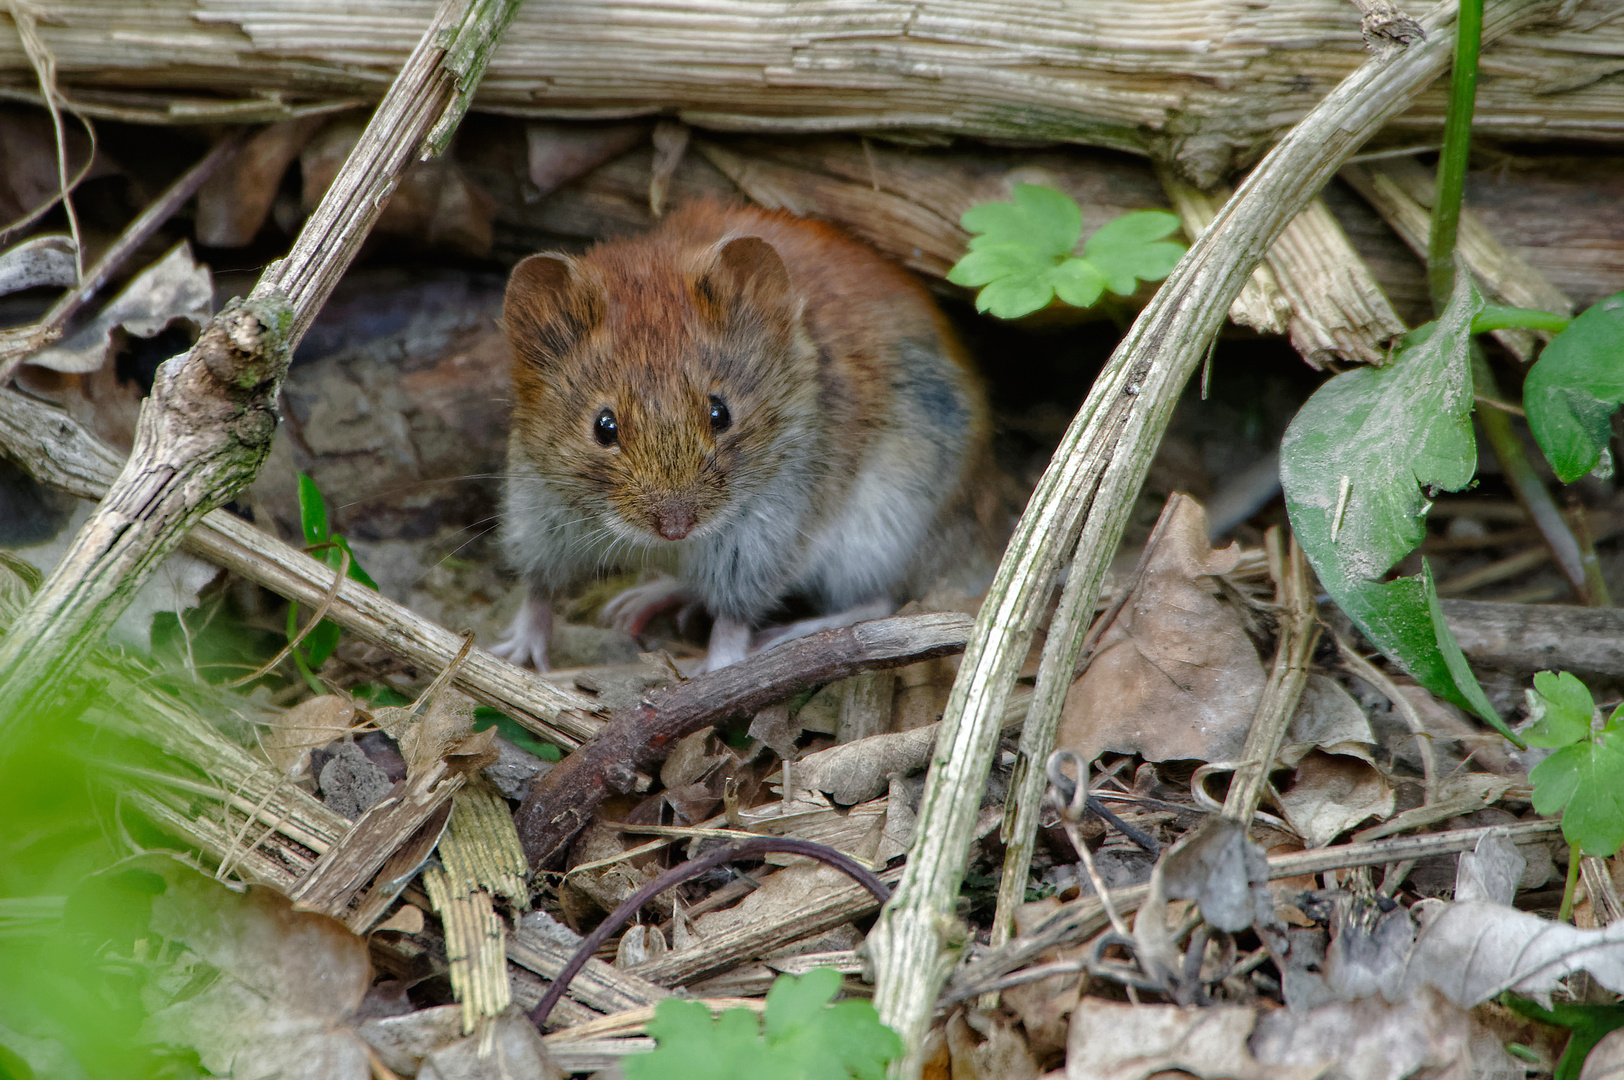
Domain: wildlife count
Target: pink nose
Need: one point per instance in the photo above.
(674, 520)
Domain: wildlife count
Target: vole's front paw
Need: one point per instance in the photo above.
(631, 611)
(528, 636)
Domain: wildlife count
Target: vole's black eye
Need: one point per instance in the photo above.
(604, 428)
(720, 418)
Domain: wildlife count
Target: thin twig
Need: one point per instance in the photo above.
(1371, 674)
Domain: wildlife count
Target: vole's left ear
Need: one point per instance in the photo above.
(744, 274)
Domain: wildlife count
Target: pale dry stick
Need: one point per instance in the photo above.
(26, 16)
(1371, 674)
(1071, 812)
(1085, 497)
(1019, 829)
(1299, 634)
(55, 450)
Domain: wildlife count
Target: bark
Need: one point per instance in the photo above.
(1205, 83)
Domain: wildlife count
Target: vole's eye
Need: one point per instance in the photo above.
(720, 418)
(604, 428)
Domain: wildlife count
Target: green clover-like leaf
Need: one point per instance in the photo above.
(1561, 707)
(1132, 247)
(1038, 218)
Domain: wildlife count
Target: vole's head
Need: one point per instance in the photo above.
(656, 384)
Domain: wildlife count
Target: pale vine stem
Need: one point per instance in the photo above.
(1082, 503)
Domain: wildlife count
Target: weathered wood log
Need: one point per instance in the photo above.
(1205, 83)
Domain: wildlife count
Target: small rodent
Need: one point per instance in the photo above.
(751, 401)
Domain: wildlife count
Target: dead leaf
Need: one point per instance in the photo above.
(1327, 718)
(1475, 951)
(1332, 794)
(514, 1050)
(1116, 1041)
(1374, 1040)
(983, 1046)
(233, 203)
(40, 262)
(408, 920)
(692, 758)
(309, 725)
(1175, 677)
(1214, 865)
(175, 288)
(284, 983)
(639, 943)
(435, 203)
(558, 153)
(1491, 871)
(858, 771)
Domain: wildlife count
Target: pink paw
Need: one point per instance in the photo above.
(528, 636)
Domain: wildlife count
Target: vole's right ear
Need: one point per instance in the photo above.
(549, 307)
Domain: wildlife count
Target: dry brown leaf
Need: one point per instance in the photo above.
(1475, 951)
(694, 756)
(1372, 1039)
(286, 981)
(1116, 1041)
(983, 1046)
(176, 288)
(309, 725)
(638, 944)
(233, 203)
(1175, 677)
(558, 153)
(435, 202)
(858, 771)
(1332, 794)
(1328, 719)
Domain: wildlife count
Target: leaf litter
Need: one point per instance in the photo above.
(1348, 970)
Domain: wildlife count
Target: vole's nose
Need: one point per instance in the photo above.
(673, 519)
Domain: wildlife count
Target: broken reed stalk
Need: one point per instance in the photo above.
(1085, 496)
(207, 427)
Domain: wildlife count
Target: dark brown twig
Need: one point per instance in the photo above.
(561, 802)
(691, 869)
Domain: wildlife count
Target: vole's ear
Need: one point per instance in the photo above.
(549, 306)
(744, 274)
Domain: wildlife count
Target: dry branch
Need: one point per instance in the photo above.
(561, 803)
(1200, 82)
(1085, 496)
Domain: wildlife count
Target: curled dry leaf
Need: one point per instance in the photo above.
(1116, 1041)
(41, 262)
(1475, 951)
(176, 288)
(284, 982)
(858, 771)
(1372, 1039)
(1327, 718)
(435, 203)
(1176, 675)
(558, 153)
(234, 202)
(986, 1046)
(1331, 794)
(309, 725)
(1490, 872)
